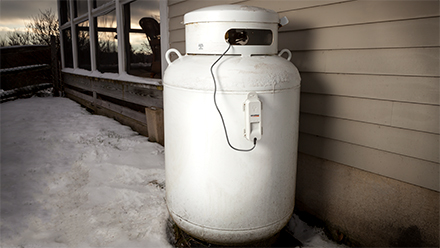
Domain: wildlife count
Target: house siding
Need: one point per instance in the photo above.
(384, 59)
(369, 92)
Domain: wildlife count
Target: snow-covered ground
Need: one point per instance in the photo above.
(73, 179)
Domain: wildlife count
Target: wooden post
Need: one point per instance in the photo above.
(155, 124)
(54, 66)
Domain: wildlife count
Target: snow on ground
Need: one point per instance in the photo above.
(73, 179)
(69, 178)
(310, 236)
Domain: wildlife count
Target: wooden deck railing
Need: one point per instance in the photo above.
(27, 69)
(137, 105)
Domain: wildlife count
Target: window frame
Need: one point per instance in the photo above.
(91, 16)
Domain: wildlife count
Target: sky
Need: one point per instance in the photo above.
(15, 13)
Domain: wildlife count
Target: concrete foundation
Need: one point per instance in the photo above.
(366, 208)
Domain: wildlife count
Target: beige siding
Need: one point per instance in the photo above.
(396, 140)
(403, 115)
(423, 90)
(400, 61)
(394, 165)
(359, 12)
(370, 85)
(370, 80)
(424, 33)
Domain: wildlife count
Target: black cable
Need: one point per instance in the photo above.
(220, 113)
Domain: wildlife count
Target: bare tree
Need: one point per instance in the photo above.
(38, 31)
(19, 38)
(43, 26)
(3, 42)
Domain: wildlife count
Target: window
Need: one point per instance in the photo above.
(98, 3)
(142, 38)
(67, 48)
(64, 11)
(81, 7)
(107, 47)
(83, 39)
(95, 44)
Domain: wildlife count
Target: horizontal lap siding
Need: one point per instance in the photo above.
(396, 140)
(370, 85)
(370, 80)
(417, 117)
(424, 33)
(404, 168)
(358, 13)
(397, 62)
(422, 90)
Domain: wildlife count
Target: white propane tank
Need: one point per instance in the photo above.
(245, 191)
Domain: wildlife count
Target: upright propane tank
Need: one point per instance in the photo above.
(231, 108)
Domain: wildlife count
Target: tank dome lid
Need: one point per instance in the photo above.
(231, 13)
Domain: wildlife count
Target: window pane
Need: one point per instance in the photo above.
(67, 48)
(142, 27)
(83, 45)
(80, 7)
(107, 51)
(64, 11)
(97, 3)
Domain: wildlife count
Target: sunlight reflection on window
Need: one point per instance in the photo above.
(83, 39)
(67, 47)
(107, 52)
(81, 7)
(98, 3)
(142, 21)
(64, 11)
